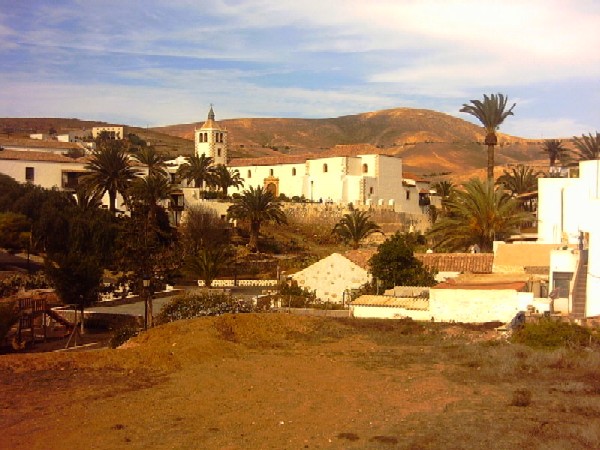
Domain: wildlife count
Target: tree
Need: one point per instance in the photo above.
(207, 263)
(478, 214)
(556, 151)
(198, 169)
(203, 228)
(491, 112)
(110, 171)
(587, 147)
(394, 264)
(256, 205)
(149, 191)
(354, 227)
(15, 231)
(519, 180)
(224, 178)
(149, 157)
(445, 189)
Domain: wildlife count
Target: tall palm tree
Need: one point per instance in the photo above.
(354, 227)
(519, 180)
(150, 190)
(556, 151)
(207, 262)
(198, 169)
(110, 171)
(257, 205)
(149, 157)
(587, 147)
(445, 189)
(491, 112)
(225, 178)
(478, 214)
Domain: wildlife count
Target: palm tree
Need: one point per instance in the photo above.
(491, 112)
(198, 169)
(588, 147)
(110, 171)
(479, 214)
(206, 263)
(555, 150)
(256, 206)
(354, 227)
(225, 178)
(519, 180)
(150, 190)
(445, 189)
(151, 158)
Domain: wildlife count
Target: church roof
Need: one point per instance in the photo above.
(210, 121)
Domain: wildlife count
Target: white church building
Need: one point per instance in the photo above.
(357, 174)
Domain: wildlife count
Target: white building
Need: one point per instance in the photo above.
(569, 216)
(357, 174)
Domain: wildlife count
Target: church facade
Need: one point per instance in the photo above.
(357, 174)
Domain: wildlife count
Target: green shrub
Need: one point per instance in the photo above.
(207, 303)
(122, 335)
(549, 333)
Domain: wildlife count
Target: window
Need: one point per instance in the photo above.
(293, 171)
(249, 174)
(271, 172)
(205, 137)
(29, 174)
(218, 152)
(370, 190)
(407, 195)
(561, 283)
(325, 168)
(365, 168)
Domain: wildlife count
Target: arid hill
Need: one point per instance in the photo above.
(430, 142)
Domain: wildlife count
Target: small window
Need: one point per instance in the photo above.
(271, 172)
(218, 152)
(407, 195)
(249, 174)
(370, 190)
(325, 168)
(293, 171)
(365, 168)
(29, 174)
(205, 137)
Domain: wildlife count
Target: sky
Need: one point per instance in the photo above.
(151, 63)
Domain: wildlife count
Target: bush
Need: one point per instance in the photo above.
(191, 305)
(12, 284)
(8, 317)
(548, 333)
(521, 397)
(122, 335)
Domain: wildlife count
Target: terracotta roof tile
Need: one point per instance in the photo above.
(458, 262)
(516, 285)
(17, 155)
(360, 257)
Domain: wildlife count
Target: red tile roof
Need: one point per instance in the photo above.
(19, 155)
(516, 285)
(458, 262)
(360, 257)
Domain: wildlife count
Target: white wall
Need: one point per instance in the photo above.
(331, 276)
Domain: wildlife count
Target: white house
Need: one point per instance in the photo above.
(332, 278)
(569, 214)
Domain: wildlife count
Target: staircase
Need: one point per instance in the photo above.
(579, 293)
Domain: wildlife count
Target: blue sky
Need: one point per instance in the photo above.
(153, 62)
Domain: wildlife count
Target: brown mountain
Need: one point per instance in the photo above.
(429, 142)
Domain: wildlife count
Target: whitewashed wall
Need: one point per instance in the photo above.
(331, 276)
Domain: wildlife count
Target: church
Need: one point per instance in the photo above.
(357, 174)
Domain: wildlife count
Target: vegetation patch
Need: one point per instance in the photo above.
(549, 333)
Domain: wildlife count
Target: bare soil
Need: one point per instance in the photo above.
(275, 381)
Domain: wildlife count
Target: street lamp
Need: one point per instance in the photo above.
(146, 285)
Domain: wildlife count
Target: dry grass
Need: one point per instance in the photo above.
(279, 381)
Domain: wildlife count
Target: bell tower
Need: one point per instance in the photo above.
(211, 140)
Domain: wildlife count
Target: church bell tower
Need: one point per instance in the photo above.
(211, 140)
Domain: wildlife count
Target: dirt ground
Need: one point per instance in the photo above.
(275, 381)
